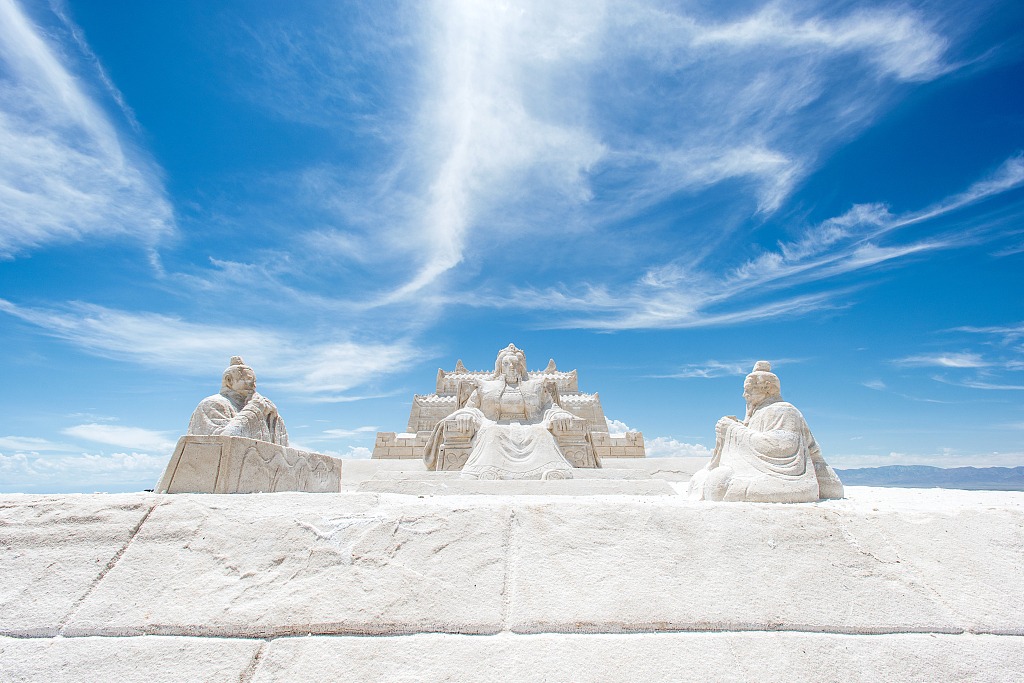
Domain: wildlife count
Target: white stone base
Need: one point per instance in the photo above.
(888, 584)
(232, 464)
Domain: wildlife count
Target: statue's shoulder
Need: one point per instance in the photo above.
(781, 408)
(216, 401)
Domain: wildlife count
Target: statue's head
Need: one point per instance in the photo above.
(761, 384)
(239, 378)
(511, 364)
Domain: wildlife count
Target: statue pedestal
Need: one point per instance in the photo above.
(233, 464)
(575, 445)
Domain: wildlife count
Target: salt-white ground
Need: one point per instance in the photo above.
(888, 584)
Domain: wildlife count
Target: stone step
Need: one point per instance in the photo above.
(519, 487)
(578, 473)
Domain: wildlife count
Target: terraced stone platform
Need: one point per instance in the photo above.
(888, 584)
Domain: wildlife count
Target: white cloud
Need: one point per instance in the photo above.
(65, 172)
(669, 296)
(898, 43)
(348, 433)
(616, 427)
(713, 368)
(980, 384)
(945, 360)
(360, 452)
(80, 473)
(32, 444)
(876, 384)
(526, 114)
(293, 362)
(667, 447)
(124, 437)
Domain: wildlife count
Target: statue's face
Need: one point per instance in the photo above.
(755, 391)
(242, 380)
(509, 367)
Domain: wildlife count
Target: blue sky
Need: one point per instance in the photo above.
(351, 195)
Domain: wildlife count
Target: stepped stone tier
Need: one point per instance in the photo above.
(884, 585)
(592, 440)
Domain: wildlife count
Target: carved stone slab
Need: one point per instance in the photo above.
(232, 464)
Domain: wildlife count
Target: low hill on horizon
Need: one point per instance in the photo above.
(926, 476)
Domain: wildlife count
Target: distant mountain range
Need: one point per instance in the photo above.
(925, 477)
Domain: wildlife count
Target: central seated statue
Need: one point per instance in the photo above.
(510, 421)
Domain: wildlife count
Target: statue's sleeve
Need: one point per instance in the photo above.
(217, 418)
(776, 440)
(210, 417)
(782, 438)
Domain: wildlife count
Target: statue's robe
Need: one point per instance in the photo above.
(512, 438)
(772, 457)
(227, 415)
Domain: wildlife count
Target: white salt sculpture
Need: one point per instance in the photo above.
(511, 425)
(770, 456)
(237, 443)
(583, 447)
(239, 410)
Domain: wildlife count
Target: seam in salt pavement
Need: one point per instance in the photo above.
(103, 572)
(549, 629)
(506, 581)
(512, 634)
(249, 673)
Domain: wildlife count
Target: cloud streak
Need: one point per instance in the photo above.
(65, 172)
(524, 120)
(673, 296)
(134, 438)
(321, 370)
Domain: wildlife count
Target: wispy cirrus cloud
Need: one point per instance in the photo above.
(997, 369)
(675, 296)
(32, 444)
(945, 360)
(524, 115)
(714, 368)
(66, 173)
(293, 362)
(135, 438)
(975, 383)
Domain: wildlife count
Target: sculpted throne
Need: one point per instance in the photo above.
(510, 426)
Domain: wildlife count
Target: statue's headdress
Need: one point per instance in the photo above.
(762, 374)
(236, 362)
(519, 356)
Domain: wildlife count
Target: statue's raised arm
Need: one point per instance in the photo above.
(770, 456)
(238, 410)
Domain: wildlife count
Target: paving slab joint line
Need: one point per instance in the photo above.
(304, 634)
(506, 581)
(250, 670)
(106, 570)
(596, 629)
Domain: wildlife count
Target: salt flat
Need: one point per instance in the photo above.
(899, 584)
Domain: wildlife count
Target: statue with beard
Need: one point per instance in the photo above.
(238, 410)
(509, 419)
(769, 457)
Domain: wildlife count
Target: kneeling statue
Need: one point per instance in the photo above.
(509, 420)
(769, 457)
(238, 410)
